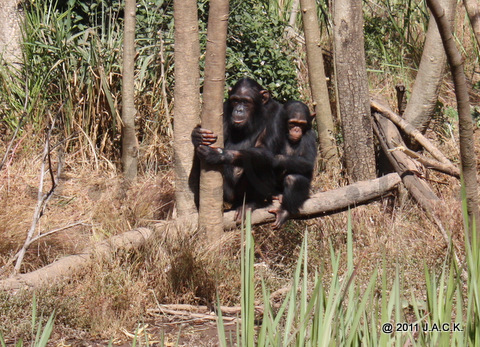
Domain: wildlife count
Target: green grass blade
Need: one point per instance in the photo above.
(47, 331)
(34, 313)
(361, 309)
(248, 288)
(292, 299)
(220, 326)
(2, 340)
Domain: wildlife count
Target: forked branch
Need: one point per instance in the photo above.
(42, 198)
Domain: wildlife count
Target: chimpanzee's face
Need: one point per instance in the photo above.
(243, 106)
(296, 128)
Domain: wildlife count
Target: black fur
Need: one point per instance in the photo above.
(295, 163)
(253, 134)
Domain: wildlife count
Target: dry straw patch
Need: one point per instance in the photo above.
(92, 199)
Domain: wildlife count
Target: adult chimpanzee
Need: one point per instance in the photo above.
(294, 165)
(253, 134)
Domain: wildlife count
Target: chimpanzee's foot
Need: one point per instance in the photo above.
(281, 217)
(239, 212)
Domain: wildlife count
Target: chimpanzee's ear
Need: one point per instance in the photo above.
(313, 114)
(230, 90)
(265, 96)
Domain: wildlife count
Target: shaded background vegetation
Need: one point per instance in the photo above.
(73, 58)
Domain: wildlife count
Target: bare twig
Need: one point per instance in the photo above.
(231, 310)
(42, 198)
(188, 314)
(427, 162)
(202, 312)
(4, 268)
(48, 233)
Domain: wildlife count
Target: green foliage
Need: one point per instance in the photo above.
(256, 48)
(317, 318)
(351, 314)
(394, 33)
(73, 55)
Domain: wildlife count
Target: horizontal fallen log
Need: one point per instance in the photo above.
(67, 265)
(329, 201)
(319, 204)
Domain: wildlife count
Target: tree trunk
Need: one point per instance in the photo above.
(211, 179)
(352, 89)
(293, 14)
(187, 99)
(11, 18)
(129, 138)
(474, 16)
(465, 122)
(423, 100)
(318, 84)
(290, 30)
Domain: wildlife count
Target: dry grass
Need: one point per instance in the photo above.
(96, 197)
(176, 266)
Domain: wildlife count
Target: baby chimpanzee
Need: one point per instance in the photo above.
(294, 165)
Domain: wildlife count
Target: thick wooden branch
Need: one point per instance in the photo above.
(388, 134)
(389, 137)
(428, 162)
(411, 131)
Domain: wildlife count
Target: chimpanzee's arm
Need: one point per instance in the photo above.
(257, 157)
(275, 132)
